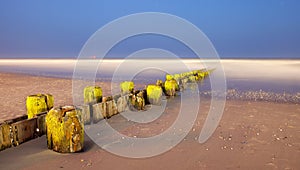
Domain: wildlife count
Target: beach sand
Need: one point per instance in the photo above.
(251, 135)
(14, 89)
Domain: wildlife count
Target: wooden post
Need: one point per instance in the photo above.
(137, 101)
(92, 94)
(154, 94)
(5, 137)
(36, 104)
(99, 112)
(86, 114)
(171, 87)
(126, 87)
(65, 132)
(122, 103)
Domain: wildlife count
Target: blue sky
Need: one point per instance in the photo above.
(237, 28)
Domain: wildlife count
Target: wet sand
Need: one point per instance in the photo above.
(251, 135)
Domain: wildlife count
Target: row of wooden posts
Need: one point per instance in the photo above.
(64, 126)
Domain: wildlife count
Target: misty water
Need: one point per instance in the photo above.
(265, 79)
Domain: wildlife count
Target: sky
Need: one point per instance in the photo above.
(236, 28)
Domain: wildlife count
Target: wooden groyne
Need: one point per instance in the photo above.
(16, 131)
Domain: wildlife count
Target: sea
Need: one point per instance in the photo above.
(244, 79)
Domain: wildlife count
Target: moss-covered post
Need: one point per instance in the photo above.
(171, 87)
(169, 77)
(65, 131)
(137, 100)
(49, 101)
(177, 77)
(154, 94)
(38, 103)
(126, 87)
(92, 94)
(192, 78)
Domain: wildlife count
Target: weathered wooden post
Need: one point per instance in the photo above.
(154, 94)
(159, 83)
(177, 77)
(140, 101)
(99, 112)
(92, 94)
(5, 138)
(38, 103)
(169, 77)
(127, 87)
(192, 78)
(137, 101)
(65, 131)
(171, 87)
(122, 103)
(86, 113)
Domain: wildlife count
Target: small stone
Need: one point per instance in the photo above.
(123, 137)
(280, 129)
(194, 129)
(257, 134)
(81, 160)
(231, 148)
(134, 136)
(206, 149)
(277, 138)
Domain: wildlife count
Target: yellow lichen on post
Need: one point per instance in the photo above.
(154, 94)
(177, 77)
(192, 78)
(36, 104)
(49, 101)
(200, 75)
(171, 87)
(127, 87)
(169, 77)
(92, 94)
(65, 131)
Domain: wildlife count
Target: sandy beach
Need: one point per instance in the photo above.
(150, 85)
(16, 87)
(251, 135)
